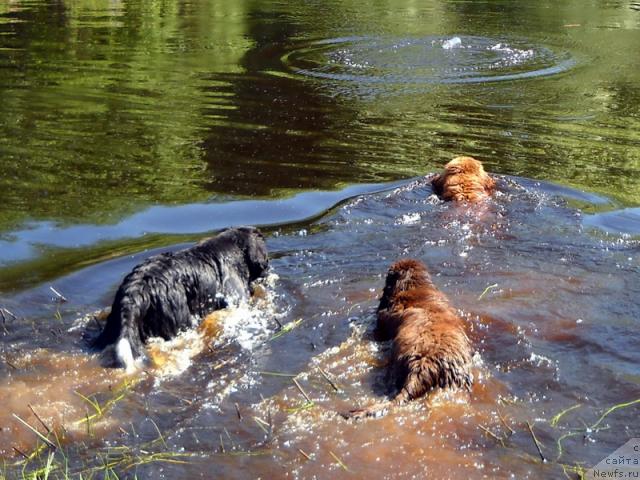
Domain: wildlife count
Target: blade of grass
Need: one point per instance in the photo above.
(277, 374)
(344, 467)
(556, 418)
(93, 403)
(613, 409)
(40, 436)
(536, 442)
(304, 406)
(261, 423)
(486, 290)
(286, 329)
(48, 466)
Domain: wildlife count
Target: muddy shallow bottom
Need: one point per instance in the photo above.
(551, 306)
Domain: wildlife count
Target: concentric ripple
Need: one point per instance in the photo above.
(432, 59)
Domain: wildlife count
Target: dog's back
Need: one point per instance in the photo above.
(171, 292)
(133, 317)
(430, 346)
(463, 180)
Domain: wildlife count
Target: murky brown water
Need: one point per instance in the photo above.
(129, 128)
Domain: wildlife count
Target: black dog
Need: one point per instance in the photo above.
(173, 291)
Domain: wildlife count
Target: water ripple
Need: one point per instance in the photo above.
(427, 60)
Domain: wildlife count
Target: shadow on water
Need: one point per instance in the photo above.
(555, 329)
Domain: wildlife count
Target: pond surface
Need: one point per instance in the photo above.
(130, 128)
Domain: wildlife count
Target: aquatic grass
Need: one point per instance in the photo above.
(556, 418)
(561, 439)
(100, 410)
(576, 469)
(248, 453)
(613, 409)
(45, 442)
(277, 374)
(301, 408)
(331, 382)
(94, 403)
(228, 436)
(304, 394)
(59, 297)
(222, 449)
(47, 467)
(46, 427)
(4, 319)
(498, 439)
(566, 432)
(586, 430)
(286, 328)
(262, 424)
(11, 365)
(36, 432)
(160, 457)
(537, 443)
(339, 461)
(160, 436)
(504, 422)
(121, 458)
(305, 454)
(486, 290)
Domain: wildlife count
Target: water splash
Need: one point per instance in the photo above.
(426, 60)
(452, 43)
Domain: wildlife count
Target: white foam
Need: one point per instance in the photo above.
(454, 42)
(249, 325)
(409, 219)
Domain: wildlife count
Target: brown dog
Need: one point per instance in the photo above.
(463, 180)
(430, 346)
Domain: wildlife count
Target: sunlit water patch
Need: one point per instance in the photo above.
(427, 60)
(625, 221)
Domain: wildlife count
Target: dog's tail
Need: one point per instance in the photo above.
(120, 341)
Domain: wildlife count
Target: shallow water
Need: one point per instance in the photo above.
(556, 329)
(129, 128)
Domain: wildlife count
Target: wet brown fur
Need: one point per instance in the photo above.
(463, 180)
(430, 346)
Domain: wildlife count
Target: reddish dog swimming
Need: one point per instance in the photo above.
(430, 346)
(463, 180)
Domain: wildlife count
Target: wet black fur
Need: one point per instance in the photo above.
(164, 294)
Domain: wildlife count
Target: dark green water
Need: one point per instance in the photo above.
(129, 126)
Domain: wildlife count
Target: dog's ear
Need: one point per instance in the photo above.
(437, 183)
(453, 169)
(489, 183)
(255, 252)
(390, 289)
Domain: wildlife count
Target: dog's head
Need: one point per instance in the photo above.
(405, 275)
(466, 166)
(251, 242)
(464, 179)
